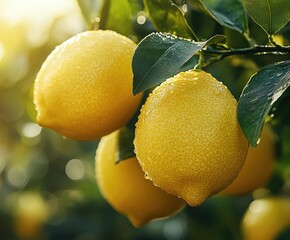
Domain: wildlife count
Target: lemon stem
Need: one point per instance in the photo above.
(105, 14)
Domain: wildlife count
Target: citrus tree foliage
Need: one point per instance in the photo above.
(175, 42)
(233, 16)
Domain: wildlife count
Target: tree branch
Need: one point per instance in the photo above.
(256, 50)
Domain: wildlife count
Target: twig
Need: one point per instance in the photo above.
(256, 50)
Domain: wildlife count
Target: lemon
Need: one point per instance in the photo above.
(31, 212)
(266, 218)
(124, 186)
(258, 167)
(188, 139)
(84, 88)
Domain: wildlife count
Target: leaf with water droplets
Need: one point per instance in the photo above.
(125, 144)
(261, 92)
(159, 56)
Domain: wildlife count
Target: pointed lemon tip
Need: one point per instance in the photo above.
(195, 198)
(136, 222)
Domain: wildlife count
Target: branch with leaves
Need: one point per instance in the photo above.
(159, 51)
(176, 47)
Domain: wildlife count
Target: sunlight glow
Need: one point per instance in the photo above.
(39, 16)
(2, 51)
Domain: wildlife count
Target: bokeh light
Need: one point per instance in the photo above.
(75, 169)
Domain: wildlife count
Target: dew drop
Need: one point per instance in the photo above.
(253, 100)
(146, 176)
(217, 91)
(277, 94)
(154, 183)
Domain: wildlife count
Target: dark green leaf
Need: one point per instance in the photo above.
(125, 144)
(261, 92)
(215, 40)
(228, 13)
(167, 17)
(271, 15)
(190, 64)
(160, 56)
(284, 234)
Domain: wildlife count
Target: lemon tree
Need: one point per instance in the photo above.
(124, 186)
(192, 135)
(84, 88)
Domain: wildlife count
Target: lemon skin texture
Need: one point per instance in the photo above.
(124, 186)
(84, 88)
(258, 167)
(188, 139)
(266, 218)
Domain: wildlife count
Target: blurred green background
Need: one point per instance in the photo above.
(47, 182)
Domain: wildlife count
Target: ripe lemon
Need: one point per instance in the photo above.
(31, 212)
(124, 186)
(265, 219)
(84, 88)
(258, 167)
(188, 139)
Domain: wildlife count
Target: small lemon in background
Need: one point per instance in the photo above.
(31, 212)
(258, 167)
(266, 218)
(124, 186)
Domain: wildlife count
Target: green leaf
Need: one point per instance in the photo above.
(90, 10)
(118, 17)
(228, 13)
(261, 92)
(160, 56)
(125, 144)
(271, 15)
(167, 17)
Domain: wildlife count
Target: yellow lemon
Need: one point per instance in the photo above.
(266, 218)
(84, 88)
(124, 186)
(188, 139)
(31, 212)
(258, 167)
